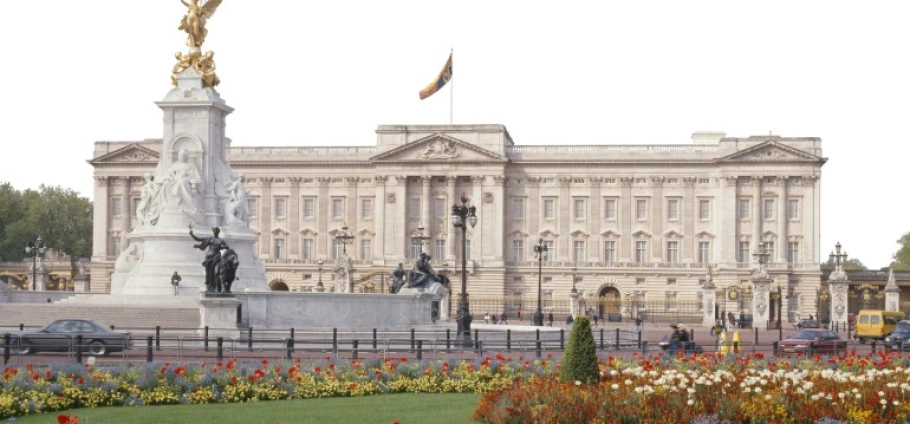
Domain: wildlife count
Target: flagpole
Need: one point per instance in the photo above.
(452, 90)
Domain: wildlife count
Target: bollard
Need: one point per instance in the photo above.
(148, 349)
(562, 338)
(112, 327)
(289, 352)
(335, 342)
(509, 340)
(412, 340)
(21, 327)
(737, 342)
(419, 350)
(292, 332)
(640, 333)
(476, 334)
(480, 348)
(78, 348)
(157, 337)
(6, 349)
(644, 347)
(448, 338)
(617, 339)
(249, 338)
(205, 338)
(220, 344)
(354, 349)
(873, 347)
(374, 337)
(538, 343)
(601, 339)
(776, 348)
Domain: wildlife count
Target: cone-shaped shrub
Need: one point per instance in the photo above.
(580, 360)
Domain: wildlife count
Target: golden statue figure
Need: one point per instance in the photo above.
(205, 66)
(194, 20)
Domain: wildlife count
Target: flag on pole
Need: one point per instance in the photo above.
(444, 76)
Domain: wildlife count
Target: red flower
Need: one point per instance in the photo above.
(80, 381)
(47, 374)
(265, 362)
(66, 419)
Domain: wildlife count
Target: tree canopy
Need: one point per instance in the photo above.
(902, 256)
(59, 215)
(851, 264)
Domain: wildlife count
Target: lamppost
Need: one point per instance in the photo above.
(839, 258)
(540, 252)
(420, 237)
(762, 256)
(462, 216)
(344, 237)
(35, 248)
(319, 287)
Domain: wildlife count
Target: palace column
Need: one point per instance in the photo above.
(351, 213)
(594, 220)
(400, 219)
(499, 216)
(782, 239)
(810, 217)
(625, 219)
(379, 219)
(450, 199)
(426, 209)
(265, 220)
(477, 245)
(688, 249)
(323, 206)
(757, 216)
(124, 211)
(728, 243)
(534, 206)
(564, 204)
(294, 219)
(101, 224)
(657, 218)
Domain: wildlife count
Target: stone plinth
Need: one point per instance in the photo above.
(709, 297)
(838, 286)
(283, 310)
(219, 314)
(761, 301)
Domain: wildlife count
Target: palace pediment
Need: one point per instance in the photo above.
(131, 153)
(438, 148)
(772, 151)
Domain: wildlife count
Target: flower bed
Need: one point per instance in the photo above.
(716, 389)
(32, 389)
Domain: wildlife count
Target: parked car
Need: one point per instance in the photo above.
(61, 335)
(812, 341)
(899, 339)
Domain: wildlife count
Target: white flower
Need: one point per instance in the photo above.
(615, 387)
(577, 383)
(690, 402)
(628, 382)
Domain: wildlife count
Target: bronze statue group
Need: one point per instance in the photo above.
(220, 262)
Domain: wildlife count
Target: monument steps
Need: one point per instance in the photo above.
(161, 301)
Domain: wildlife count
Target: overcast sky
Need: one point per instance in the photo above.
(328, 72)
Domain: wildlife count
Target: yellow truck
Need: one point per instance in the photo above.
(876, 324)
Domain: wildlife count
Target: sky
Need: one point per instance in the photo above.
(326, 73)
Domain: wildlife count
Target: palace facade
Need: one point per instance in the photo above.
(625, 223)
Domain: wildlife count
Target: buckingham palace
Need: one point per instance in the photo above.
(640, 225)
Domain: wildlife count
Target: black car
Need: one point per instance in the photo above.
(61, 335)
(899, 339)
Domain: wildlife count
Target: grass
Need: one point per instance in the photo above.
(446, 408)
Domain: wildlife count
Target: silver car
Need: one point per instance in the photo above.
(61, 336)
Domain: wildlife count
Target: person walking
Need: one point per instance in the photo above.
(175, 281)
(550, 318)
(569, 320)
(596, 318)
(504, 320)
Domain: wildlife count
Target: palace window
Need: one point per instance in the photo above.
(768, 212)
(578, 208)
(254, 207)
(609, 251)
(549, 208)
(610, 209)
(439, 206)
(467, 250)
(793, 252)
(745, 210)
(671, 302)
(309, 207)
(704, 252)
(518, 208)
(414, 207)
(366, 208)
(704, 209)
(281, 204)
(440, 248)
(641, 251)
(641, 209)
(308, 252)
(518, 250)
(366, 250)
(672, 251)
(743, 256)
(769, 248)
(115, 207)
(337, 249)
(578, 251)
(793, 210)
(672, 209)
(416, 248)
(279, 249)
(338, 208)
(115, 245)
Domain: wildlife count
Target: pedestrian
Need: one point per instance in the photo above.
(175, 281)
(486, 318)
(495, 318)
(569, 320)
(731, 319)
(596, 318)
(504, 320)
(550, 318)
(519, 312)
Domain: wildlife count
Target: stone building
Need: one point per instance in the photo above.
(623, 224)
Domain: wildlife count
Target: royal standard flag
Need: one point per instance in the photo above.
(444, 76)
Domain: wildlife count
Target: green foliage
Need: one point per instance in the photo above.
(852, 264)
(902, 256)
(60, 216)
(580, 360)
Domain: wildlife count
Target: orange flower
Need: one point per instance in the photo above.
(66, 419)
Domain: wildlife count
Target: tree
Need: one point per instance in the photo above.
(60, 216)
(902, 256)
(851, 264)
(579, 363)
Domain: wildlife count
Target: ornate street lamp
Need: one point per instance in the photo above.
(762, 256)
(319, 287)
(540, 253)
(839, 258)
(420, 237)
(344, 237)
(462, 216)
(35, 248)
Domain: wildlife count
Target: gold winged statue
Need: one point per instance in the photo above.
(194, 20)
